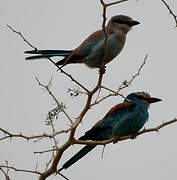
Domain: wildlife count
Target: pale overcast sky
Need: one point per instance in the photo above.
(65, 24)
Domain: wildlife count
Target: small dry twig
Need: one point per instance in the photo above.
(171, 12)
(59, 105)
(21, 170)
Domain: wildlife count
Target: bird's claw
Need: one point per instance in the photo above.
(134, 135)
(116, 139)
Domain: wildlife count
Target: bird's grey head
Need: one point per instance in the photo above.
(143, 97)
(122, 22)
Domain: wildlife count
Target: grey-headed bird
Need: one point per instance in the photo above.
(91, 51)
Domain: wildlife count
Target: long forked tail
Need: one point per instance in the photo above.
(47, 53)
(77, 156)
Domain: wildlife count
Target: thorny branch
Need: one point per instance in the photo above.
(90, 94)
(59, 150)
(9, 135)
(112, 140)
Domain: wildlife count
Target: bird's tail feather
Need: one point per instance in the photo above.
(78, 156)
(47, 53)
(42, 56)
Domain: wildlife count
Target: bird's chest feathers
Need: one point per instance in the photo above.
(119, 36)
(115, 43)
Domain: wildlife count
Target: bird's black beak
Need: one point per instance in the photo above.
(153, 100)
(133, 23)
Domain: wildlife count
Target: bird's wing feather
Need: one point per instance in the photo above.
(86, 47)
(98, 133)
(117, 107)
(120, 106)
(102, 129)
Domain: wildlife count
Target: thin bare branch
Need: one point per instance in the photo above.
(54, 139)
(9, 135)
(124, 85)
(50, 161)
(74, 80)
(5, 174)
(60, 105)
(103, 151)
(128, 83)
(21, 170)
(171, 12)
(21, 35)
(108, 89)
(117, 2)
(46, 151)
(62, 175)
(75, 91)
(110, 4)
(158, 127)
